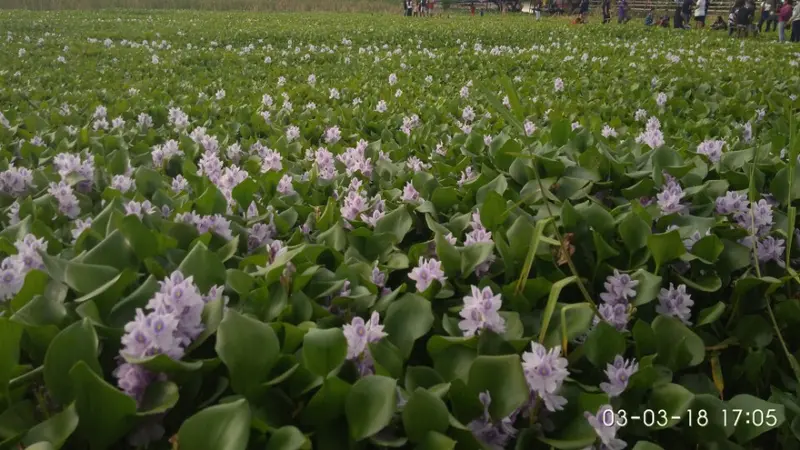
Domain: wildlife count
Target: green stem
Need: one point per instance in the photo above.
(792, 359)
(27, 376)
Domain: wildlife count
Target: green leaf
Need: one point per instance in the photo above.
(444, 198)
(474, 255)
(674, 399)
(324, 350)
(498, 185)
(448, 255)
(55, 430)
(634, 232)
(665, 247)
(603, 343)
(105, 412)
(708, 248)
(237, 336)
(493, 211)
(286, 438)
(408, 319)
(710, 314)
(220, 427)
(678, 347)
(76, 343)
(211, 202)
(757, 416)
(10, 337)
(436, 441)
(503, 378)
(327, 404)
(397, 223)
(550, 307)
(370, 405)
(205, 266)
(143, 242)
(424, 412)
(648, 288)
(159, 398)
(82, 278)
(165, 364)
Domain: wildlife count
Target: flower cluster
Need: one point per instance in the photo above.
(478, 235)
(675, 302)
(426, 272)
(16, 181)
(711, 148)
(496, 435)
(65, 197)
(14, 268)
(619, 373)
(216, 224)
(652, 136)
(359, 335)
(616, 299)
(606, 426)
(669, 199)
(481, 312)
(172, 322)
(545, 372)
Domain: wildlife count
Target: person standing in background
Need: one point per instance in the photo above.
(784, 15)
(700, 13)
(606, 11)
(795, 23)
(584, 10)
(767, 8)
(622, 12)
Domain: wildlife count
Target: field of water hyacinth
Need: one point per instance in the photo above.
(241, 231)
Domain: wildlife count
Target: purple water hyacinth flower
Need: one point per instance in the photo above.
(771, 249)
(495, 436)
(285, 185)
(332, 135)
(545, 372)
(605, 425)
(355, 203)
(12, 277)
(451, 239)
(529, 127)
(661, 99)
(372, 220)
(669, 199)
(732, 202)
(757, 219)
(67, 201)
(16, 181)
(163, 153)
(410, 194)
(417, 165)
(121, 183)
(619, 288)
(271, 161)
(711, 148)
(359, 334)
(80, 227)
(640, 115)
(615, 314)
(174, 320)
(619, 373)
(377, 277)
(180, 184)
(608, 132)
(481, 312)
(274, 249)
(558, 85)
(467, 175)
(747, 132)
(139, 209)
(675, 302)
(426, 272)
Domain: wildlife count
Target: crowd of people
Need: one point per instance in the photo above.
(782, 16)
(419, 7)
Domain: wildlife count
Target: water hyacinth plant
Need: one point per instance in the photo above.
(238, 231)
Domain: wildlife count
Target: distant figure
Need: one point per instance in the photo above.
(796, 23)
(700, 12)
(537, 9)
(664, 21)
(409, 7)
(472, 9)
(648, 20)
(584, 10)
(606, 11)
(744, 18)
(784, 15)
(622, 12)
(767, 15)
(719, 24)
(686, 12)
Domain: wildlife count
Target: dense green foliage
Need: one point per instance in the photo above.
(527, 132)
